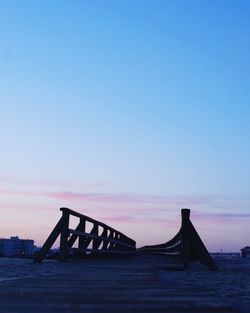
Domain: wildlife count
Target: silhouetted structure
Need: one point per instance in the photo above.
(16, 247)
(245, 252)
(101, 239)
(186, 244)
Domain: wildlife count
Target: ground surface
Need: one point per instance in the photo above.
(141, 283)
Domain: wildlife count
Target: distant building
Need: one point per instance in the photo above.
(226, 255)
(15, 247)
(245, 253)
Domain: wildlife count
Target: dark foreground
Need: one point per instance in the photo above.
(141, 283)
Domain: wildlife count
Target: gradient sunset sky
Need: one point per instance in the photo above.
(126, 111)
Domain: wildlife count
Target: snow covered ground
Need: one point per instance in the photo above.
(134, 284)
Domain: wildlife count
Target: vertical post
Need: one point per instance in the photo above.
(81, 240)
(64, 234)
(117, 238)
(95, 240)
(185, 214)
(105, 242)
(111, 236)
(123, 239)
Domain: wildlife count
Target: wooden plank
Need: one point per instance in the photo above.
(101, 251)
(94, 236)
(171, 243)
(175, 248)
(87, 218)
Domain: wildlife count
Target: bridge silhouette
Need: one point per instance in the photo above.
(101, 239)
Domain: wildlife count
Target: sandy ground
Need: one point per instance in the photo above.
(141, 283)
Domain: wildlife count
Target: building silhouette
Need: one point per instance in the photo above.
(16, 247)
(245, 252)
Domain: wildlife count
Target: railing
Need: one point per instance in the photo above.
(101, 239)
(186, 245)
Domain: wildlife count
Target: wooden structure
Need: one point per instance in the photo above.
(101, 239)
(186, 245)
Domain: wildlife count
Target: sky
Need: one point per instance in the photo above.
(126, 111)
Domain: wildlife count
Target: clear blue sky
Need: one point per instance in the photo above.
(133, 108)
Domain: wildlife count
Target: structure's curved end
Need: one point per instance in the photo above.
(187, 245)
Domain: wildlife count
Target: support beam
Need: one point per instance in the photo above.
(73, 238)
(49, 242)
(64, 236)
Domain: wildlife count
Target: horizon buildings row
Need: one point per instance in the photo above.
(16, 247)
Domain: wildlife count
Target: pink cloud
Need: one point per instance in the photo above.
(26, 207)
(44, 183)
(226, 215)
(213, 202)
(134, 205)
(221, 218)
(166, 222)
(120, 218)
(3, 191)
(128, 198)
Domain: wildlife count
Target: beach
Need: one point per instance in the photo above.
(141, 283)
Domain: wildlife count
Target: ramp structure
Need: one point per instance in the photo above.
(100, 239)
(186, 245)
